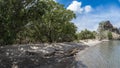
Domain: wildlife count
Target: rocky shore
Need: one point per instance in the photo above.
(56, 55)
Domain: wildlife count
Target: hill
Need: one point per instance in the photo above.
(106, 28)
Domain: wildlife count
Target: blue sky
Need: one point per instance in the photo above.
(93, 3)
(90, 12)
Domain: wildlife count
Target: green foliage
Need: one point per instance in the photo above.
(110, 35)
(86, 34)
(13, 17)
(24, 21)
(55, 25)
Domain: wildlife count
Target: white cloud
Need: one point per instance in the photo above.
(91, 20)
(76, 7)
(88, 8)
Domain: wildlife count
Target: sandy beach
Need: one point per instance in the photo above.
(91, 42)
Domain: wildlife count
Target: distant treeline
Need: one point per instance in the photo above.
(105, 31)
(86, 34)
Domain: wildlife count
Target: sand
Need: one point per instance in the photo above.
(91, 42)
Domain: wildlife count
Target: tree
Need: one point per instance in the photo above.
(13, 19)
(86, 34)
(15, 15)
(109, 35)
(55, 24)
(35, 21)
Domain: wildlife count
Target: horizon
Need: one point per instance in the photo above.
(89, 13)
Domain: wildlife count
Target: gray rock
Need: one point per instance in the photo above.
(57, 55)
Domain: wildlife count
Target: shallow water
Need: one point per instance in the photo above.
(104, 55)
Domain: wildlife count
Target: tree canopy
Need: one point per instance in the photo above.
(35, 21)
(86, 34)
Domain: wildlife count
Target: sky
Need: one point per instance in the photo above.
(89, 13)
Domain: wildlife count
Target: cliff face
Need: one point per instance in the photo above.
(106, 26)
(116, 36)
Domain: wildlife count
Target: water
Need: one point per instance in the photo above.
(104, 55)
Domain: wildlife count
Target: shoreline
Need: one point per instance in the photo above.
(90, 43)
(56, 55)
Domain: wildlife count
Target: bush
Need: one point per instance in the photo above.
(110, 35)
(86, 34)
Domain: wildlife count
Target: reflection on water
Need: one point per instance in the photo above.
(104, 55)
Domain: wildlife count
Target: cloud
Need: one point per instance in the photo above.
(88, 8)
(91, 20)
(76, 7)
(89, 17)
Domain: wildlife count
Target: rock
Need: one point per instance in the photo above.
(34, 47)
(116, 36)
(14, 65)
(105, 27)
(57, 55)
